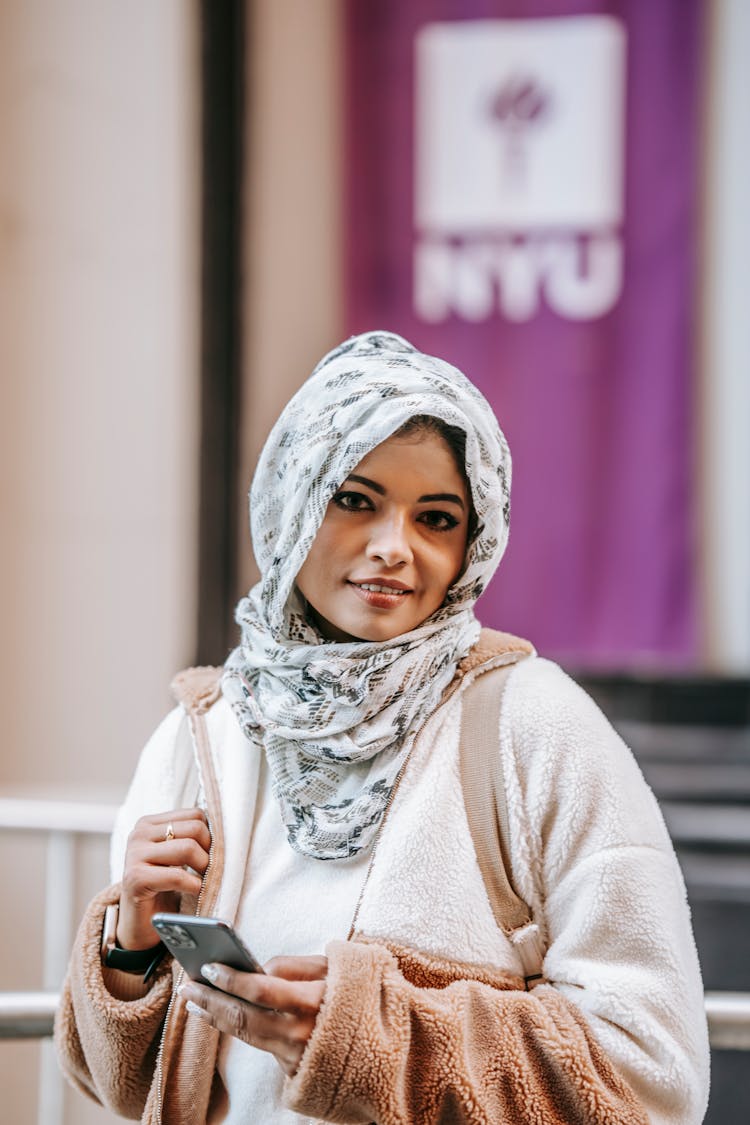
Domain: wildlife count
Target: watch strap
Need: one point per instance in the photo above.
(144, 961)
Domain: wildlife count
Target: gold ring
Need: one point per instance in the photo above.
(169, 834)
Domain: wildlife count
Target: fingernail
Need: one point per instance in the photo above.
(180, 988)
(210, 972)
(191, 1007)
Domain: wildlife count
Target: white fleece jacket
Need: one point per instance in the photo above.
(590, 853)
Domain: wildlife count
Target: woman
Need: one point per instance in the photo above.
(313, 797)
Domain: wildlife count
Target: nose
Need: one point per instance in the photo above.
(389, 541)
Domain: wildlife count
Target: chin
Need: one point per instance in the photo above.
(385, 632)
(352, 632)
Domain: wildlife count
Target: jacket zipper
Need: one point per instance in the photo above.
(178, 981)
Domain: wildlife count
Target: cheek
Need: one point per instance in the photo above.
(457, 558)
(447, 568)
(308, 578)
(317, 566)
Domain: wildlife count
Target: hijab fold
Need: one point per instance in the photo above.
(336, 720)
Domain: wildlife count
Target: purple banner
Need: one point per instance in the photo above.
(522, 200)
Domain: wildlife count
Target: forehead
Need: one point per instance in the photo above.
(418, 456)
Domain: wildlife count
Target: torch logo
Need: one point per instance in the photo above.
(514, 109)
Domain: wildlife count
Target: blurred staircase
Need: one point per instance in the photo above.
(691, 737)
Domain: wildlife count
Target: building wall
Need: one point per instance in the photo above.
(99, 267)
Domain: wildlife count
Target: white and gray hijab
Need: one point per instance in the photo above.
(336, 720)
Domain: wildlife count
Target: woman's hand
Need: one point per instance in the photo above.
(275, 1011)
(159, 850)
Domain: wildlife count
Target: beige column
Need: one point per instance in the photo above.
(99, 315)
(725, 393)
(98, 352)
(293, 247)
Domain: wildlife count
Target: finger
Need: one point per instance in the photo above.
(190, 828)
(298, 968)
(265, 991)
(166, 827)
(145, 881)
(273, 1031)
(160, 831)
(193, 813)
(171, 853)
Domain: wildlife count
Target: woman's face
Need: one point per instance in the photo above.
(392, 542)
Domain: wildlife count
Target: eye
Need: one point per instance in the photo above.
(439, 521)
(352, 502)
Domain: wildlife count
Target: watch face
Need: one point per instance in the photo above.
(109, 929)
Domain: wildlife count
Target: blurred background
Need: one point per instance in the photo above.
(197, 200)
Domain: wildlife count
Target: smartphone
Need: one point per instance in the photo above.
(195, 941)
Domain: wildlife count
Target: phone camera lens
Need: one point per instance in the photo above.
(177, 936)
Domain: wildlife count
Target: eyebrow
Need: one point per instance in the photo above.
(442, 496)
(449, 497)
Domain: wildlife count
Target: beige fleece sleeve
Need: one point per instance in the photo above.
(107, 1046)
(386, 1051)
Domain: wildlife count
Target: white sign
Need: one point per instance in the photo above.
(520, 136)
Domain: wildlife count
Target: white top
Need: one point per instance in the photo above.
(290, 905)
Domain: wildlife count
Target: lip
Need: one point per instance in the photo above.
(379, 599)
(377, 581)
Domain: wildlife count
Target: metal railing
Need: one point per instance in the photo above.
(29, 1015)
(729, 1020)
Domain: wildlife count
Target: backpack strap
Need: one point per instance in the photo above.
(483, 784)
(197, 689)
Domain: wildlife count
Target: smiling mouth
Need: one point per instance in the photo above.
(380, 596)
(374, 588)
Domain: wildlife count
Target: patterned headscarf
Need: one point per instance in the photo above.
(336, 720)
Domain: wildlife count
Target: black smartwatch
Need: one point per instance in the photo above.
(144, 961)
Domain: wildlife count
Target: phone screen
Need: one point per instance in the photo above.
(195, 941)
